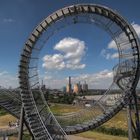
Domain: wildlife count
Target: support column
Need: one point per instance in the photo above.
(137, 119)
(129, 121)
(22, 122)
(20, 135)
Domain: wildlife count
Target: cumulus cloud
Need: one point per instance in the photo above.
(73, 48)
(102, 79)
(112, 45)
(71, 52)
(114, 55)
(105, 53)
(137, 28)
(55, 61)
(95, 77)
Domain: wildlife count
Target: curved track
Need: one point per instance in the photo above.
(41, 121)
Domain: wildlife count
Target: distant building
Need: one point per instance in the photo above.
(80, 87)
(43, 86)
(64, 89)
(85, 87)
(69, 86)
(76, 88)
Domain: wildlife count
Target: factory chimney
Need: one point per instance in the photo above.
(70, 84)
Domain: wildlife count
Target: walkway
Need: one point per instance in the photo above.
(72, 137)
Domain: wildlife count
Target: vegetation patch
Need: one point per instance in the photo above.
(112, 131)
(60, 109)
(65, 99)
(2, 112)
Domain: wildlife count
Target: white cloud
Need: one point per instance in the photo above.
(137, 28)
(115, 55)
(102, 79)
(48, 77)
(8, 80)
(95, 78)
(55, 61)
(71, 53)
(112, 45)
(73, 48)
(8, 20)
(3, 73)
(105, 53)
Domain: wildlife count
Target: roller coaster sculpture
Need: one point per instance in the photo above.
(41, 122)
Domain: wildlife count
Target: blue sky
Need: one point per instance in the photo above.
(19, 17)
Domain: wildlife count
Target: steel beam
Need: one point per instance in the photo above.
(20, 136)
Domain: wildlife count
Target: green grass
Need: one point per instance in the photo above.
(115, 126)
(60, 109)
(25, 137)
(112, 131)
(118, 121)
(63, 109)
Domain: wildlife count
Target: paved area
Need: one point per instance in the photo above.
(72, 137)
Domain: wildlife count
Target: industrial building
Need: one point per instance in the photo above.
(85, 87)
(69, 86)
(77, 88)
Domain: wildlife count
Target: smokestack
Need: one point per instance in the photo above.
(42, 83)
(69, 84)
(69, 80)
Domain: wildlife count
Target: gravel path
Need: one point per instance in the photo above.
(72, 137)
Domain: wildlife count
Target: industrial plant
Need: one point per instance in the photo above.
(77, 87)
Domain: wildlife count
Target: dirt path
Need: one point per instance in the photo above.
(72, 137)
